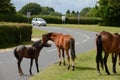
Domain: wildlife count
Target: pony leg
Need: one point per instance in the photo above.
(59, 55)
(97, 62)
(114, 60)
(105, 62)
(63, 55)
(73, 64)
(36, 61)
(119, 58)
(31, 63)
(68, 58)
(19, 67)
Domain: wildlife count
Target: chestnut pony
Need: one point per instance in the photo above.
(109, 43)
(29, 52)
(63, 43)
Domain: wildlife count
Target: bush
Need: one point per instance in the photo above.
(25, 33)
(14, 34)
(13, 18)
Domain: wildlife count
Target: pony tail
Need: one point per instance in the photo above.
(72, 48)
(15, 53)
(99, 50)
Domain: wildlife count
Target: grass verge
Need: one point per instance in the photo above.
(85, 70)
(37, 33)
(94, 28)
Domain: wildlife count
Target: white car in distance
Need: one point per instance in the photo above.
(39, 22)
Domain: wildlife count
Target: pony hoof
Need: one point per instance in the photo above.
(98, 73)
(21, 74)
(108, 73)
(59, 63)
(73, 68)
(68, 67)
(64, 63)
(31, 74)
(114, 71)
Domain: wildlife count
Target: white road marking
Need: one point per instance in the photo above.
(87, 38)
(84, 35)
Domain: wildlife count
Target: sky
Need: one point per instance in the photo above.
(59, 5)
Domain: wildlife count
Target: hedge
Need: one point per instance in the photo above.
(49, 19)
(70, 20)
(13, 18)
(14, 34)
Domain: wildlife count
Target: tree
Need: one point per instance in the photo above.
(92, 13)
(47, 10)
(68, 12)
(34, 8)
(109, 10)
(6, 7)
(84, 11)
(73, 12)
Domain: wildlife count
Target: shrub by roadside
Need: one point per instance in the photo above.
(12, 34)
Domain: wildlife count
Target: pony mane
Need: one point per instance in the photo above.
(36, 43)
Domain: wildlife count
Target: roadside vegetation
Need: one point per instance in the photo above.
(85, 70)
(94, 28)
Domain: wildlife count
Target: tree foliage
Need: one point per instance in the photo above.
(34, 8)
(109, 10)
(47, 10)
(84, 11)
(68, 12)
(6, 7)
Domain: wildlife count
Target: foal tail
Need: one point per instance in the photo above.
(15, 54)
(99, 50)
(72, 48)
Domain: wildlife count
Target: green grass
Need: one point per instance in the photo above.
(85, 63)
(85, 70)
(95, 28)
(37, 33)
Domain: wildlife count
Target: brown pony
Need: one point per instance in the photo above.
(64, 43)
(109, 43)
(29, 52)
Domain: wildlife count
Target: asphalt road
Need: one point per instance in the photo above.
(85, 41)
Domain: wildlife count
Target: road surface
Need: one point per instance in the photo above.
(85, 41)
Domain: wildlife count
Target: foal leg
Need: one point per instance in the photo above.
(19, 67)
(68, 58)
(105, 62)
(63, 55)
(36, 61)
(31, 63)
